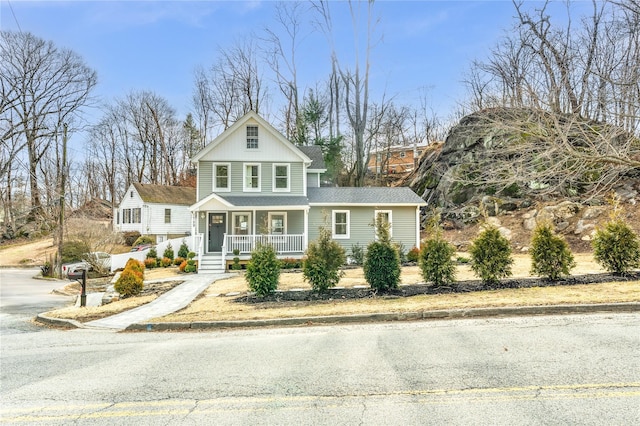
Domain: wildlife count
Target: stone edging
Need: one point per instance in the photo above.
(59, 322)
(385, 317)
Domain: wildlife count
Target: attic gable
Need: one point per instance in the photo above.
(270, 145)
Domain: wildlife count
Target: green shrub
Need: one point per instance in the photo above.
(402, 254)
(463, 260)
(165, 262)
(152, 253)
(263, 270)
(143, 240)
(168, 252)
(382, 262)
(178, 260)
(290, 263)
(73, 251)
(436, 262)
(191, 266)
(491, 256)
(130, 237)
(191, 255)
(550, 254)
(150, 262)
(130, 283)
(324, 258)
(413, 255)
(616, 247)
(183, 251)
(236, 266)
(357, 254)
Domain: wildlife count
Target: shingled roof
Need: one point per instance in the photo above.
(161, 194)
(314, 152)
(363, 196)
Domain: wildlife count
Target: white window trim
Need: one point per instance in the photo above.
(245, 188)
(233, 222)
(375, 221)
(333, 225)
(215, 178)
(273, 168)
(284, 230)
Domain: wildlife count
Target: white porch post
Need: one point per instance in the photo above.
(305, 233)
(418, 227)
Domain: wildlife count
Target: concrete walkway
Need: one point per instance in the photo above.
(171, 301)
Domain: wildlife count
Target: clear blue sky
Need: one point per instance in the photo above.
(155, 45)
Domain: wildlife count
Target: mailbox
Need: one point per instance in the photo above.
(81, 276)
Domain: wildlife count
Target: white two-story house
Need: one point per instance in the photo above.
(254, 185)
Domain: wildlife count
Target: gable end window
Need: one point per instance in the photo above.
(221, 178)
(252, 137)
(251, 177)
(281, 178)
(340, 224)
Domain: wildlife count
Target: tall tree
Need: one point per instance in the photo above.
(46, 85)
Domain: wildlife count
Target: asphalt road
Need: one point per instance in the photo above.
(22, 297)
(574, 369)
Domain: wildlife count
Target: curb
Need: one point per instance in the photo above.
(387, 317)
(59, 322)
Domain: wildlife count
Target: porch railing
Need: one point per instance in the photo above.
(288, 243)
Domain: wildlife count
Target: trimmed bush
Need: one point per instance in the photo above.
(130, 237)
(290, 263)
(168, 252)
(616, 247)
(150, 262)
(183, 251)
(551, 256)
(325, 257)
(178, 260)
(131, 280)
(165, 262)
(192, 266)
(491, 256)
(152, 253)
(182, 266)
(263, 270)
(436, 261)
(413, 255)
(357, 254)
(191, 255)
(382, 262)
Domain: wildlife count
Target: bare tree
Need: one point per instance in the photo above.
(46, 86)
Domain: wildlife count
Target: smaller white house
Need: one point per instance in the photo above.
(155, 210)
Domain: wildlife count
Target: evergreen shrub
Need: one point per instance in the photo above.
(382, 261)
(263, 270)
(491, 256)
(436, 261)
(551, 256)
(168, 252)
(183, 251)
(616, 247)
(324, 258)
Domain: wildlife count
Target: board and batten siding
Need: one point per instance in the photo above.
(205, 179)
(361, 229)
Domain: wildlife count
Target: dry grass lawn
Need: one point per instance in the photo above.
(213, 307)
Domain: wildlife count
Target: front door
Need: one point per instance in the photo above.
(216, 231)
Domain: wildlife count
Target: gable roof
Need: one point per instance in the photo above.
(370, 196)
(314, 152)
(262, 122)
(162, 194)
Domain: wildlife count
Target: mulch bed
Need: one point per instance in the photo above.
(418, 289)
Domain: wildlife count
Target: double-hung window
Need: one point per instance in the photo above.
(136, 215)
(167, 215)
(340, 224)
(241, 223)
(281, 178)
(277, 223)
(251, 177)
(221, 178)
(252, 137)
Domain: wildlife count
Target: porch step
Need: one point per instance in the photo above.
(211, 263)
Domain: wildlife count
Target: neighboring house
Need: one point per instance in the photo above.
(395, 159)
(254, 185)
(155, 210)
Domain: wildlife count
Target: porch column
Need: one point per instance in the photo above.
(418, 227)
(305, 233)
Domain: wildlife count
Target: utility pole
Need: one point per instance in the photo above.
(63, 184)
